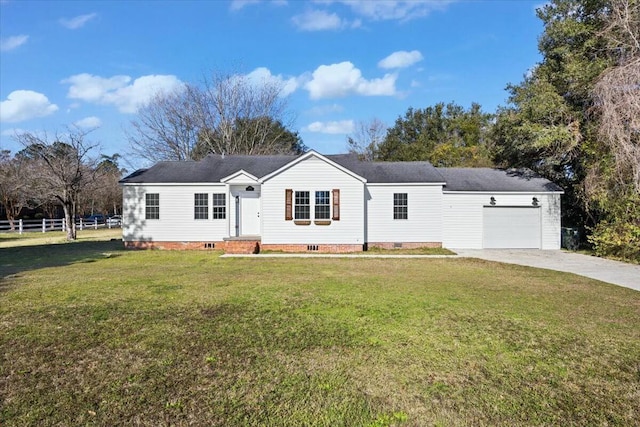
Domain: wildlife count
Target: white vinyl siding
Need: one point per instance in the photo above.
(304, 176)
(176, 222)
(424, 213)
(463, 223)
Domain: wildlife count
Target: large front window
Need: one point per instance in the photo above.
(302, 205)
(152, 206)
(323, 206)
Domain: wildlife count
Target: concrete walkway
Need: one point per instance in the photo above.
(618, 273)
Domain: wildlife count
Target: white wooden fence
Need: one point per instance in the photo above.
(46, 224)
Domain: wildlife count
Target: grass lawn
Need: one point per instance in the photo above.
(91, 334)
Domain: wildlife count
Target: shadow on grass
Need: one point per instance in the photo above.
(16, 260)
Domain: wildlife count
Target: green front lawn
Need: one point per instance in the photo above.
(91, 334)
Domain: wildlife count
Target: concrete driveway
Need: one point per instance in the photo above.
(618, 273)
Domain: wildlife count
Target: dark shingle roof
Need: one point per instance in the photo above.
(389, 172)
(215, 167)
(487, 179)
(210, 169)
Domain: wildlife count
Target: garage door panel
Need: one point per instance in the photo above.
(511, 227)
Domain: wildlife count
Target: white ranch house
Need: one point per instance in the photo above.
(335, 203)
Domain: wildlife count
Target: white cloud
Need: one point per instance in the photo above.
(335, 127)
(120, 91)
(89, 122)
(23, 105)
(318, 20)
(262, 75)
(338, 80)
(77, 22)
(402, 10)
(401, 59)
(90, 88)
(13, 42)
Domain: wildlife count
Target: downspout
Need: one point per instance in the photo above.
(237, 216)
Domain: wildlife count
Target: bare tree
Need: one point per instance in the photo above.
(617, 93)
(226, 113)
(167, 127)
(13, 185)
(107, 195)
(63, 169)
(366, 138)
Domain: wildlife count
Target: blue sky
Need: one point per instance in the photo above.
(92, 64)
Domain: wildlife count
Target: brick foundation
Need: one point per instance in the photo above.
(254, 246)
(229, 246)
(404, 245)
(175, 246)
(311, 248)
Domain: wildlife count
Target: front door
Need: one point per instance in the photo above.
(250, 214)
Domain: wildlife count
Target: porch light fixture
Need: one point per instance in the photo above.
(534, 202)
(492, 201)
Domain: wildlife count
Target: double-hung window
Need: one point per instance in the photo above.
(201, 206)
(302, 205)
(152, 206)
(400, 206)
(323, 206)
(219, 206)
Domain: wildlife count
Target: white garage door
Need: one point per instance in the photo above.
(511, 227)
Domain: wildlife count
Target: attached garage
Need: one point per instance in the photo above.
(516, 227)
(499, 209)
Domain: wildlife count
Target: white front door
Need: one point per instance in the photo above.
(249, 214)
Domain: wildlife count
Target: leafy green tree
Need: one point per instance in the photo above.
(554, 121)
(445, 135)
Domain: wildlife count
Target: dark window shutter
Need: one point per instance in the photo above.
(336, 205)
(288, 206)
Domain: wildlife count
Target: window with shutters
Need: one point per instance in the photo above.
(400, 206)
(323, 206)
(152, 206)
(219, 205)
(201, 206)
(302, 205)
